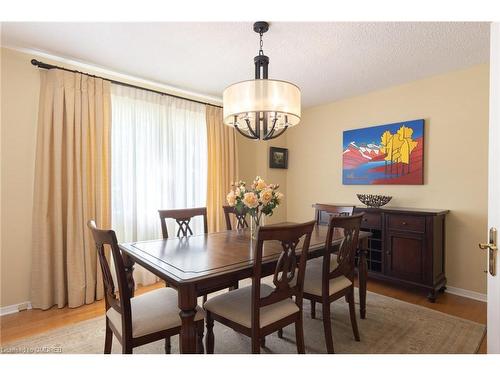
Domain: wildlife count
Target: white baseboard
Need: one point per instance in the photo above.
(6, 310)
(466, 293)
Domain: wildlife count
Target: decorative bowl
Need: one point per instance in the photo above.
(373, 200)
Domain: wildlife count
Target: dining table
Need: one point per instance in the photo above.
(200, 264)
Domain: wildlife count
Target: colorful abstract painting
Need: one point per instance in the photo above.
(391, 154)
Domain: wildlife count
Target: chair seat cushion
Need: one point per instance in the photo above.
(316, 265)
(313, 278)
(152, 312)
(236, 306)
(315, 262)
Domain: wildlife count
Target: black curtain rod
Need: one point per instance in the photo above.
(43, 65)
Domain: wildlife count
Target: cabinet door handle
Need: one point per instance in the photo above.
(404, 223)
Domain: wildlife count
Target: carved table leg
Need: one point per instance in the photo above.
(187, 305)
(362, 276)
(128, 262)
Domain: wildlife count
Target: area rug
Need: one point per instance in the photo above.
(392, 326)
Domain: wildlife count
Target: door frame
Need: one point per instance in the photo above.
(493, 334)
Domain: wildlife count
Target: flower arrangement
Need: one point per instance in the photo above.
(259, 198)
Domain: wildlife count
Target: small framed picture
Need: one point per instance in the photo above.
(278, 157)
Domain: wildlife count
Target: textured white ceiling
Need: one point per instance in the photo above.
(328, 61)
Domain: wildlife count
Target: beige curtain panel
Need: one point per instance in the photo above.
(222, 166)
(72, 185)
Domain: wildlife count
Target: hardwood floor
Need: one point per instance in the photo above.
(32, 322)
(461, 307)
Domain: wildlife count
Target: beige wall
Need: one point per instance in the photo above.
(254, 161)
(455, 109)
(19, 104)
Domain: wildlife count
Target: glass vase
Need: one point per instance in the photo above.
(254, 224)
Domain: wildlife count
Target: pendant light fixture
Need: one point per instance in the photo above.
(261, 108)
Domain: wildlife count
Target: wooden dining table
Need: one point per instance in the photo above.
(200, 264)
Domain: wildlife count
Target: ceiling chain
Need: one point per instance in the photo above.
(261, 52)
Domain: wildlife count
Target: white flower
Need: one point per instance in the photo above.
(266, 195)
(250, 200)
(260, 184)
(279, 197)
(231, 198)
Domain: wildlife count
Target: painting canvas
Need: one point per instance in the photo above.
(278, 157)
(391, 154)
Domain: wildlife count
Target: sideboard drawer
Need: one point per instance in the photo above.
(406, 222)
(371, 221)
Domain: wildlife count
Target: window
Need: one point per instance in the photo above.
(158, 161)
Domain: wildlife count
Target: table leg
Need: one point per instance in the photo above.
(362, 276)
(187, 305)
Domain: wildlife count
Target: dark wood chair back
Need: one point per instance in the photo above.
(107, 237)
(325, 211)
(346, 251)
(288, 279)
(241, 221)
(183, 218)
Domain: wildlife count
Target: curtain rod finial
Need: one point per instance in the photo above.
(42, 65)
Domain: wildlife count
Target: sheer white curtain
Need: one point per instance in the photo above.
(158, 161)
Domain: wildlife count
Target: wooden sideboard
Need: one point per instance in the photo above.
(407, 246)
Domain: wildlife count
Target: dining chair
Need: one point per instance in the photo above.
(241, 221)
(325, 211)
(261, 309)
(140, 320)
(323, 214)
(326, 281)
(183, 219)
